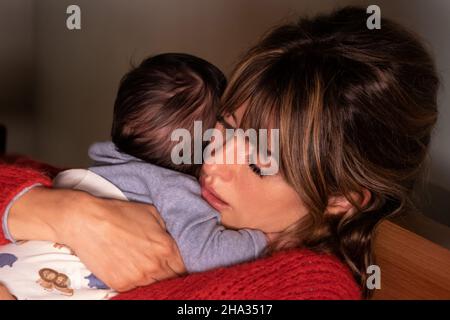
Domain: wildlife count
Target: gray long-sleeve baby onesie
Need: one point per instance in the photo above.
(195, 226)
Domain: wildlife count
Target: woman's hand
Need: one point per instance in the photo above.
(272, 236)
(4, 294)
(124, 244)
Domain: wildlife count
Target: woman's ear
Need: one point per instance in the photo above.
(340, 204)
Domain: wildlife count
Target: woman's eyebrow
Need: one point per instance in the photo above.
(234, 118)
(224, 122)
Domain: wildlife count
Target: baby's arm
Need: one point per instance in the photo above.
(203, 242)
(209, 245)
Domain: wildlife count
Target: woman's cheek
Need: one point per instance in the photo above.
(237, 217)
(251, 213)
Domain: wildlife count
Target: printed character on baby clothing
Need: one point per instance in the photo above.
(38, 270)
(50, 279)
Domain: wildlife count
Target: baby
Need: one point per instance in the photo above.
(164, 93)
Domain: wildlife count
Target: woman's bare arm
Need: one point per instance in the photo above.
(125, 244)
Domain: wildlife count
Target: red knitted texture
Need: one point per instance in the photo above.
(293, 274)
(287, 275)
(26, 162)
(13, 179)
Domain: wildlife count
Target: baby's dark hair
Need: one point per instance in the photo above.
(165, 92)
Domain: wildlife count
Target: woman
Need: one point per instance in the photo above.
(355, 109)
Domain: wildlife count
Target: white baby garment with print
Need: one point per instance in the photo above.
(41, 270)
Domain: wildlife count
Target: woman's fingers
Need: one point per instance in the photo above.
(4, 294)
(175, 263)
(156, 215)
(177, 269)
(124, 244)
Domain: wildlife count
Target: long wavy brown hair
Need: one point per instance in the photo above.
(355, 108)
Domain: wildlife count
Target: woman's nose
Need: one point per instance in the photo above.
(216, 164)
(221, 171)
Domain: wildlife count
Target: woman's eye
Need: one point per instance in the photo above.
(255, 169)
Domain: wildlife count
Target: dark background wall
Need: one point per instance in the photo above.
(57, 86)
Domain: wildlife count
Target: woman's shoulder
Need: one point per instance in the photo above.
(311, 275)
(293, 274)
(304, 274)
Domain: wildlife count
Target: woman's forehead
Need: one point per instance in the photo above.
(252, 114)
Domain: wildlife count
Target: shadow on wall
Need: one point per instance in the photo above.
(431, 220)
(434, 202)
(430, 20)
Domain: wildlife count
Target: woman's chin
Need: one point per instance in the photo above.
(235, 224)
(226, 219)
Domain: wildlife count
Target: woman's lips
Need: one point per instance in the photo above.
(211, 197)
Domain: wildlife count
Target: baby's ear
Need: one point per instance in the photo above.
(340, 204)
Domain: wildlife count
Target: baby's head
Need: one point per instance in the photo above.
(165, 92)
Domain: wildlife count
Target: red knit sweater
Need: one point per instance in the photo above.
(293, 274)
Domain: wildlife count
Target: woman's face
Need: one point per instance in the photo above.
(244, 198)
